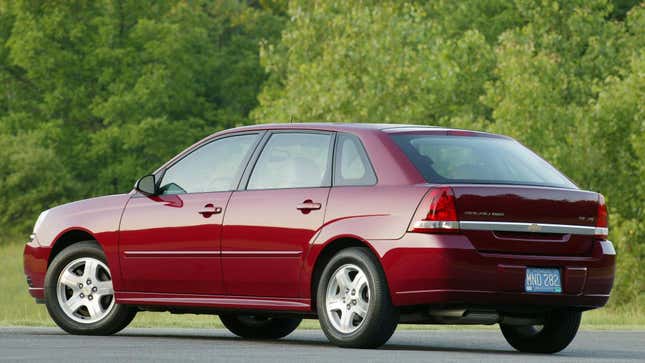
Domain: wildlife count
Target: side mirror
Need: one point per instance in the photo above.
(147, 185)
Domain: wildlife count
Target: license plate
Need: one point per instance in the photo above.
(541, 280)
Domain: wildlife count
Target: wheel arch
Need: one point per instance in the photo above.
(325, 254)
(69, 237)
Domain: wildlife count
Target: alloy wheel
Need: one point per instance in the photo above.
(347, 298)
(84, 290)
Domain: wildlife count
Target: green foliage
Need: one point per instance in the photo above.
(630, 285)
(96, 93)
(387, 62)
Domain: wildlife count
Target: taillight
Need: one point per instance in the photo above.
(436, 213)
(602, 219)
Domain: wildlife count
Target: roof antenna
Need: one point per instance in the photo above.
(291, 119)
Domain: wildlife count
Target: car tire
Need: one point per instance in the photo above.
(559, 329)
(353, 301)
(90, 309)
(259, 327)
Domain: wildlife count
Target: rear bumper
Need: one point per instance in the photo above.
(425, 269)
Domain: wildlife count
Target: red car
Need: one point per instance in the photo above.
(361, 226)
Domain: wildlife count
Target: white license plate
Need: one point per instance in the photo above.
(543, 280)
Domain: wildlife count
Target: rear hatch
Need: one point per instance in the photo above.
(506, 198)
(527, 219)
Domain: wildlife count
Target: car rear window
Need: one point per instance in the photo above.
(478, 160)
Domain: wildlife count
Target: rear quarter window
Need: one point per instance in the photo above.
(352, 165)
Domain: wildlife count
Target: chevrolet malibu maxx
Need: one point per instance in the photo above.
(362, 226)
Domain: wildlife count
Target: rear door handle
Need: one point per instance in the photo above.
(307, 206)
(209, 210)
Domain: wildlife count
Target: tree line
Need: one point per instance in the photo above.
(94, 94)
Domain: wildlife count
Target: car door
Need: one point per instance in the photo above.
(170, 242)
(271, 220)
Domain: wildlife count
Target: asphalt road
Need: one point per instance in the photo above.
(51, 345)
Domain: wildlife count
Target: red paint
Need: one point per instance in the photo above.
(528, 204)
(424, 269)
(156, 232)
(219, 301)
(269, 236)
(258, 249)
(97, 217)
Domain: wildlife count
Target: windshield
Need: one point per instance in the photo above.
(478, 160)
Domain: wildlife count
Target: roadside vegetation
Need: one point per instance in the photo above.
(95, 94)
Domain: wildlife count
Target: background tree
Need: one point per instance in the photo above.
(96, 93)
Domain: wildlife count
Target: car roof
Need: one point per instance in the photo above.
(330, 126)
(349, 127)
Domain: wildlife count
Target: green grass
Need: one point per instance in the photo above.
(17, 307)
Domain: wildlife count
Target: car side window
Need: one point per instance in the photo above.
(293, 160)
(352, 166)
(214, 167)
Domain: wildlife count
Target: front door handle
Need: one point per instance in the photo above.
(307, 206)
(209, 210)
